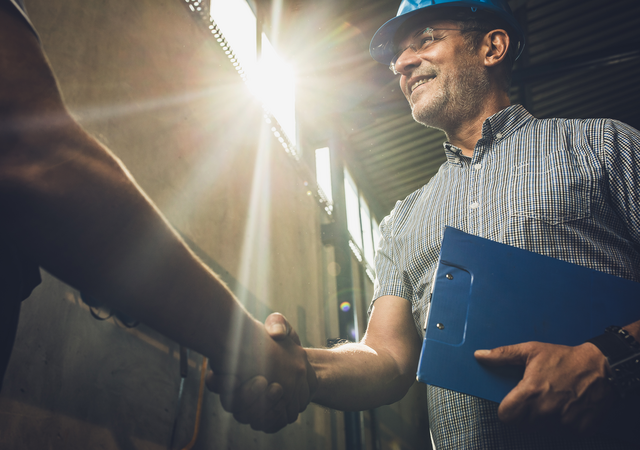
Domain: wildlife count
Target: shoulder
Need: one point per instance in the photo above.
(619, 134)
(563, 125)
(593, 127)
(402, 210)
(598, 134)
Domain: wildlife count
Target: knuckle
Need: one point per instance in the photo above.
(509, 349)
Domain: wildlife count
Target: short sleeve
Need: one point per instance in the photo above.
(389, 278)
(622, 147)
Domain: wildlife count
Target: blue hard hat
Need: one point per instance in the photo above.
(382, 48)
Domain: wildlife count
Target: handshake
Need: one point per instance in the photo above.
(269, 384)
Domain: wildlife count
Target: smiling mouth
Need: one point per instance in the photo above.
(420, 82)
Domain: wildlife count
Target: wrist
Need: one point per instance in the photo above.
(623, 356)
(242, 349)
(315, 357)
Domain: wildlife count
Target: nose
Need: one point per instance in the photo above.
(407, 62)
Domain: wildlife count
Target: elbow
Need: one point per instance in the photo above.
(399, 383)
(22, 178)
(54, 163)
(400, 387)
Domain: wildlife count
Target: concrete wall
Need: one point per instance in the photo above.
(145, 80)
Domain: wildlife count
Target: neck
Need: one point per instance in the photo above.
(466, 133)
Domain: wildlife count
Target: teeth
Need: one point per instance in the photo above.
(418, 83)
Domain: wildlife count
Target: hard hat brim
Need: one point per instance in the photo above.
(382, 47)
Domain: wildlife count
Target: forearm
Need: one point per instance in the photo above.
(355, 377)
(73, 208)
(69, 205)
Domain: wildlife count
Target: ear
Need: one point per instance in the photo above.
(496, 44)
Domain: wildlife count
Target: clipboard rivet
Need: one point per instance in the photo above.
(440, 326)
(449, 276)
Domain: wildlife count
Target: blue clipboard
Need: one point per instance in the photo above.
(487, 294)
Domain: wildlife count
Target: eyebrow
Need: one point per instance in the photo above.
(422, 30)
(412, 35)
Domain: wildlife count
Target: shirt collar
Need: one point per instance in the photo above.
(504, 123)
(495, 128)
(453, 153)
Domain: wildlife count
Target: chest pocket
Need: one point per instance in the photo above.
(554, 190)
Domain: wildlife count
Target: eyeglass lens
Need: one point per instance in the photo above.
(420, 41)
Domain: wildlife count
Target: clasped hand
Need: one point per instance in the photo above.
(269, 403)
(564, 388)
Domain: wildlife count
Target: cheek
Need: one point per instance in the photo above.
(403, 87)
(408, 97)
(406, 94)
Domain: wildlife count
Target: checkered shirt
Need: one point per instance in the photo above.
(564, 188)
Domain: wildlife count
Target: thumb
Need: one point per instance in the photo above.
(515, 355)
(278, 327)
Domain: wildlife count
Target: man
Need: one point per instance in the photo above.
(563, 188)
(71, 207)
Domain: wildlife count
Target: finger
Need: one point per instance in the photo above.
(278, 417)
(533, 407)
(279, 422)
(273, 421)
(277, 326)
(266, 402)
(254, 414)
(254, 411)
(508, 355)
(244, 397)
(292, 412)
(274, 393)
(511, 409)
(293, 404)
(267, 413)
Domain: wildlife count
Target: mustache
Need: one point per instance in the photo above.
(428, 71)
(422, 72)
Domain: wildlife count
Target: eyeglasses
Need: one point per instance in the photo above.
(419, 43)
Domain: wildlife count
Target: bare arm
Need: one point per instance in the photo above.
(377, 371)
(72, 207)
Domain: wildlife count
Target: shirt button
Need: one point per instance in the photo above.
(456, 160)
(474, 205)
(477, 166)
(498, 135)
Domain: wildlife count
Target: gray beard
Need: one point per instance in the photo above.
(460, 98)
